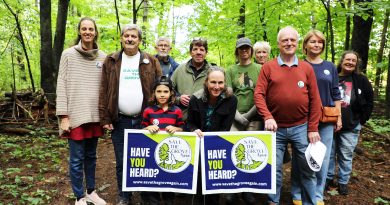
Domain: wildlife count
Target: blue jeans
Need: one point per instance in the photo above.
(82, 158)
(326, 133)
(344, 144)
(117, 137)
(297, 136)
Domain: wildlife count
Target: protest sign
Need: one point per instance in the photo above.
(160, 162)
(234, 162)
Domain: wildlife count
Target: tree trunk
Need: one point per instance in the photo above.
(361, 33)
(241, 21)
(145, 21)
(47, 75)
(134, 12)
(330, 27)
(21, 40)
(379, 66)
(118, 25)
(388, 90)
(59, 40)
(347, 24)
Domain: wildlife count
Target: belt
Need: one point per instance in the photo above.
(122, 116)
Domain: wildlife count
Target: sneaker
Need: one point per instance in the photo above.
(81, 201)
(95, 199)
(343, 189)
(297, 202)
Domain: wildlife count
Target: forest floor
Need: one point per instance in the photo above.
(34, 170)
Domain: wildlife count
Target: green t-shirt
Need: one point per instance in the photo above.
(242, 79)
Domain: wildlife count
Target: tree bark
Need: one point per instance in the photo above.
(330, 27)
(241, 21)
(46, 52)
(117, 18)
(361, 33)
(347, 24)
(388, 90)
(379, 66)
(145, 21)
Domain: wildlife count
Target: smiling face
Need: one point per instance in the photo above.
(163, 48)
(162, 94)
(262, 56)
(244, 52)
(287, 42)
(314, 46)
(215, 84)
(130, 41)
(87, 32)
(348, 64)
(198, 54)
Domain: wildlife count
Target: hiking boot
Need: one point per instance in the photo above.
(81, 201)
(330, 184)
(95, 199)
(343, 189)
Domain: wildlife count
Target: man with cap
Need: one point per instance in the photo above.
(167, 63)
(242, 78)
(287, 97)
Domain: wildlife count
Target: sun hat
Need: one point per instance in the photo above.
(315, 154)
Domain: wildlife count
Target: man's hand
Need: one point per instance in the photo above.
(270, 125)
(65, 124)
(184, 100)
(314, 137)
(152, 128)
(108, 127)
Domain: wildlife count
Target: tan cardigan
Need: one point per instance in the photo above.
(78, 85)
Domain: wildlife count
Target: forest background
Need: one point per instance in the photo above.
(35, 32)
(33, 165)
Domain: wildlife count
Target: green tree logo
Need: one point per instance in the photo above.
(249, 154)
(173, 154)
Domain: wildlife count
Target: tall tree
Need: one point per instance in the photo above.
(362, 23)
(241, 21)
(46, 52)
(59, 37)
(388, 90)
(329, 26)
(347, 24)
(21, 40)
(379, 65)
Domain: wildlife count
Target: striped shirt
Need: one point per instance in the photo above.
(78, 85)
(155, 115)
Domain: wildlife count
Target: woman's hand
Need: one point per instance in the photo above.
(65, 124)
(199, 133)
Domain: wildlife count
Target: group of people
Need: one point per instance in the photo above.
(131, 89)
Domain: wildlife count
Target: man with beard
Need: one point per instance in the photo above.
(167, 64)
(190, 76)
(126, 86)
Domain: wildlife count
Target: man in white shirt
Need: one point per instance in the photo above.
(127, 83)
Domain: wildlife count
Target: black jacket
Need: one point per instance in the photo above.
(222, 118)
(364, 103)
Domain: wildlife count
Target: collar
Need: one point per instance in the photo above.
(203, 66)
(90, 54)
(158, 107)
(281, 63)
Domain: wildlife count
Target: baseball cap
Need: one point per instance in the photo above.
(163, 80)
(243, 42)
(315, 154)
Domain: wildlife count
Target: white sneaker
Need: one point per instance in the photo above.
(94, 198)
(82, 201)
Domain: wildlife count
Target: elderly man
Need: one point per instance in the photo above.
(126, 85)
(189, 77)
(286, 96)
(167, 64)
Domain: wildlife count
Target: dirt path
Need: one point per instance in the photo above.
(370, 179)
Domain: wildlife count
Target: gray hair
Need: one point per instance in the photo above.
(288, 28)
(163, 38)
(260, 45)
(132, 27)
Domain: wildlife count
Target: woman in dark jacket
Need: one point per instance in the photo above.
(356, 107)
(211, 109)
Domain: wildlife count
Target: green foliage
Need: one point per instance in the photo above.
(25, 161)
(379, 200)
(379, 125)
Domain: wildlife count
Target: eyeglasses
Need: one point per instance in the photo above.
(163, 45)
